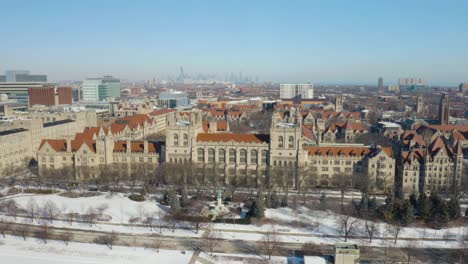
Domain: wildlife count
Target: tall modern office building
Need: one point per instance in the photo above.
(380, 84)
(288, 91)
(113, 86)
(99, 89)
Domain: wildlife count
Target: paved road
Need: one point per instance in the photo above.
(236, 246)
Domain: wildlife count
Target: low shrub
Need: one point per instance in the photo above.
(40, 191)
(240, 221)
(136, 197)
(78, 194)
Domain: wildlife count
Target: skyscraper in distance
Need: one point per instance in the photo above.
(380, 84)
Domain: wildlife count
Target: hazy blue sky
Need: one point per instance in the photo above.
(318, 41)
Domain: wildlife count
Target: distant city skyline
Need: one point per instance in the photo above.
(320, 42)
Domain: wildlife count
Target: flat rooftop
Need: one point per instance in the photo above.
(56, 123)
(12, 131)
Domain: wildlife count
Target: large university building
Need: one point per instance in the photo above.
(289, 146)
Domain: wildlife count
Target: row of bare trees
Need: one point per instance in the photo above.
(50, 211)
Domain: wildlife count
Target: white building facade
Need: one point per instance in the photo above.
(288, 91)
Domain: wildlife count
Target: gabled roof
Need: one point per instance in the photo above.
(135, 146)
(60, 145)
(227, 137)
(132, 122)
(354, 127)
(457, 135)
(234, 113)
(162, 111)
(346, 150)
(221, 125)
(308, 133)
(438, 144)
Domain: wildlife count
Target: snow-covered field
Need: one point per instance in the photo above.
(15, 250)
(118, 207)
(314, 226)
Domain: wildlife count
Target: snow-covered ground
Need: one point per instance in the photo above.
(118, 207)
(297, 226)
(15, 250)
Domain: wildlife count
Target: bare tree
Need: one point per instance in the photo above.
(141, 211)
(66, 237)
(107, 239)
(394, 231)
(101, 209)
(371, 230)
(149, 221)
(32, 209)
(50, 211)
(348, 225)
(4, 226)
(72, 216)
(91, 216)
(172, 219)
(12, 208)
(271, 242)
(22, 231)
(211, 237)
(411, 244)
(156, 242)
(43, 233)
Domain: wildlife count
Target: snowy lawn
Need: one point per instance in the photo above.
(15, 250)
(296, 226)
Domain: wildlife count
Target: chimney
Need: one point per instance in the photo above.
(69, 148)
(145, 146)
(129, 146)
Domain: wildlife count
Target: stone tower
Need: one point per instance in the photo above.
(181, 135)
(339, 103)
(285, 136)
(419, 105)
(444, 109)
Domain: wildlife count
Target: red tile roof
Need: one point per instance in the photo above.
(136, 146)
(162, 111)
(345, 150)
(226, 137)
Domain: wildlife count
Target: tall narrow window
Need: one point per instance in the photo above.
(280, 142)
(176, 140)
(232, 156)
(264, 157)
(222, 156)
(253, 156)
(291, 142)
(211, 155)
(185, 140)
(243, 156)
(201, 155)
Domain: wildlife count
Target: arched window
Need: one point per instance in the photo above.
(291, 142)
(243, 156)
(264, 157)
(185, 140)
(211, 155)
(176, 140)
(232, 156)
(280, 142)
(253, 156)
(222, 156)
(201, 155)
